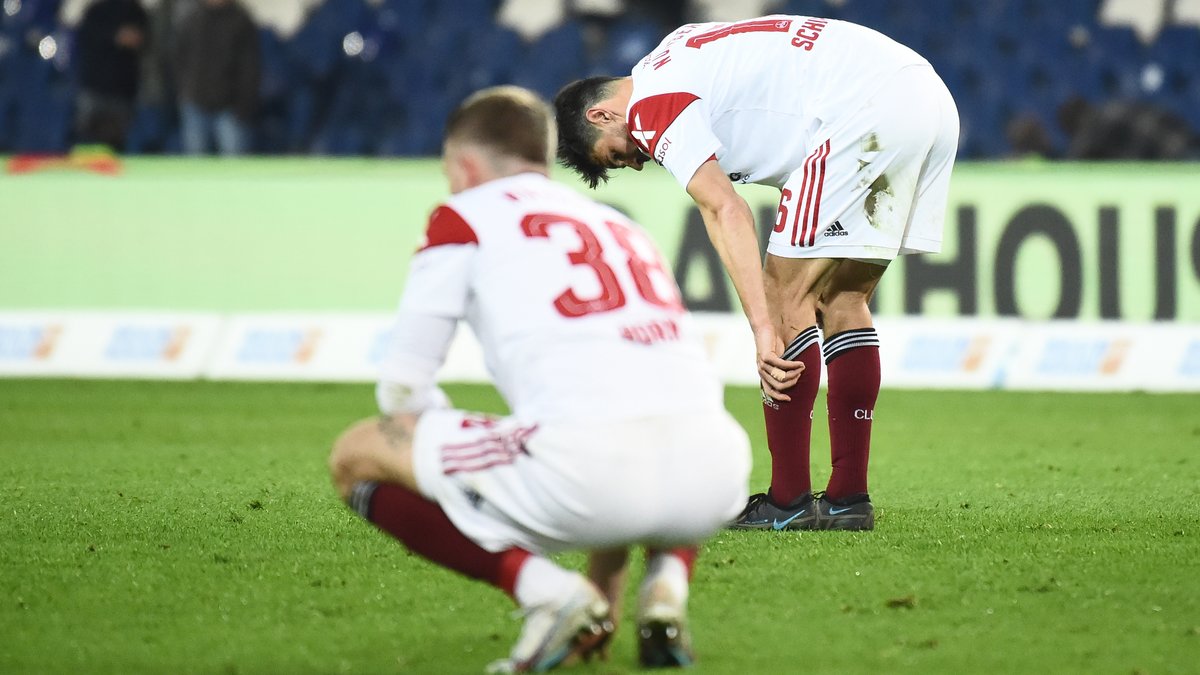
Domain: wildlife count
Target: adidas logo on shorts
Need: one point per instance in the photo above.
(836, 230)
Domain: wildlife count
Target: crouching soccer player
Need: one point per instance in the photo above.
(618, 434)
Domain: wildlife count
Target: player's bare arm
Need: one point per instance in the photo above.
(730, 225)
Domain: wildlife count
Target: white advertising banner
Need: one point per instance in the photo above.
(914, 353)
(99, 344)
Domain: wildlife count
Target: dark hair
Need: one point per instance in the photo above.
(576, 135)
(509, 120)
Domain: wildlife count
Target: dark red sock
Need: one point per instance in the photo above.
(687, 554)
(852, 358)
(789, 423)
(424, 529)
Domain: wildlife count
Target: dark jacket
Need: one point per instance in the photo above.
(1131, 130)
(217, 60)
(104, 67)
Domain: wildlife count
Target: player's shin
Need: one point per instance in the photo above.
(852, 358)
(663, 636)
(424, 529)
(789, 423)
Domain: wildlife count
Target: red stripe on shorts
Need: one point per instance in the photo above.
(800, 195)
(814, 174)
(816, 221)
(484, 453)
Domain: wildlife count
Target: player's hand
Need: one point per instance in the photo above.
(775, 373)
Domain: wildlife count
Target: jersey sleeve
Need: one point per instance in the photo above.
(416, 348)
(439, 275)
(674, 130)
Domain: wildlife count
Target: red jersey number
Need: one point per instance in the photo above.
(805, 38)
(645, 268)
(590, 254)
(755, 26)
(568, 303)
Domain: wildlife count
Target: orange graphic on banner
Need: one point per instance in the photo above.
(1114, 357)
(308, 345)
(45, 346)
(976, 351)
(176, 343)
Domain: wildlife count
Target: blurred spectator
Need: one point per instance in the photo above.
(110, 41)
(731, 10)
(1125, 130)
(217, 73)
(1028, 137)
(531, 19)
(1144, 17)
(158, 78)
(158, 114)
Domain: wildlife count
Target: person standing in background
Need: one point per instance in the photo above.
(217, 74)
(110, 41)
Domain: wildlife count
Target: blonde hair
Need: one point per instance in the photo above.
(510, 121)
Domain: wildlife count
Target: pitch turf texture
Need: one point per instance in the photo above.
(190, 528)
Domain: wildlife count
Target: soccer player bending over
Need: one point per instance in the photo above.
(618, 433)
(859, 135)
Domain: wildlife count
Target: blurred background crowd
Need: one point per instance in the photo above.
(1071, 79)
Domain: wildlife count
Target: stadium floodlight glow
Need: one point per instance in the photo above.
(1152, 78)
(12, 7)
(352, 44)
(47, 47)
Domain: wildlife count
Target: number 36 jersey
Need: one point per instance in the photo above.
(577, 313)
(753, 93)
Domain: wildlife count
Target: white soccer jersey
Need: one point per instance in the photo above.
(577, 314)
(751, 93)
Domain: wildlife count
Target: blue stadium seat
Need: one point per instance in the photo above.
(420, 57)
(44, 121)
(276, 70)
(627, 42)
(150, 130)
(1177, 52)
(555, 59)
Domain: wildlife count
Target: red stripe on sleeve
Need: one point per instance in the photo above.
(446, 226)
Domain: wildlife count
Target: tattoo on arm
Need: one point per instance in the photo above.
(394, 432)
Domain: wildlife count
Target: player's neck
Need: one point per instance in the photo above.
(622, 91)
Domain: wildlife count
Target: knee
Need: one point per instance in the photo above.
(350, 457)
(844, 310)
(837, 303)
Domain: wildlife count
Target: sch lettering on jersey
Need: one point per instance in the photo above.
(447, 227)
(651, 116)
(807, 34)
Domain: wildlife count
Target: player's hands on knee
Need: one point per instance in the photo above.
(775, 373)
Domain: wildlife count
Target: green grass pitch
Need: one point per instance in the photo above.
(155, 527)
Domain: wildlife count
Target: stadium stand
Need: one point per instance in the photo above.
(360, 77)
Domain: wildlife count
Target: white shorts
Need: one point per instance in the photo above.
(659, 481)
(876, 184)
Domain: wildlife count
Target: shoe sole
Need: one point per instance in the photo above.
(590, 640)
(661, 645)
(848, 522)
(808, 523)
